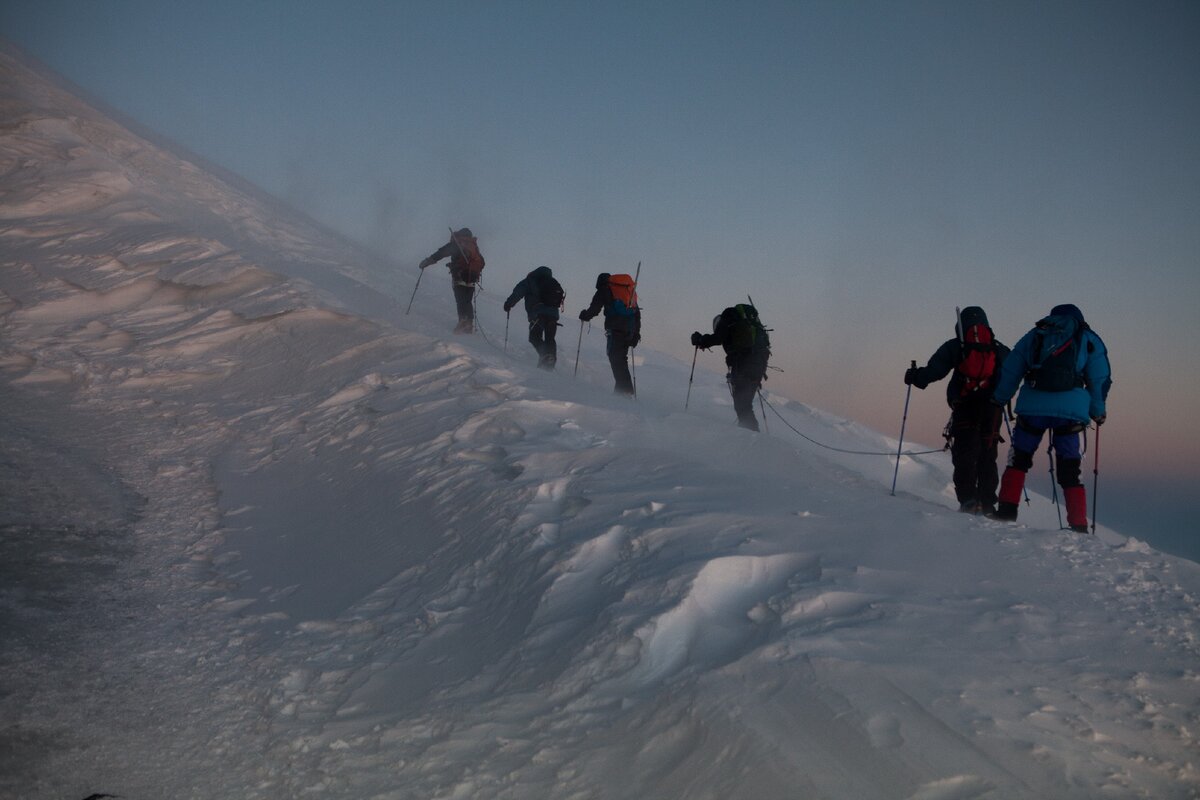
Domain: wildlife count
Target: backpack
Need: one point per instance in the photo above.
(550, 293)
(746, 330)
(1055, 362)
(469, 250)
(978, 364)
(624, 292)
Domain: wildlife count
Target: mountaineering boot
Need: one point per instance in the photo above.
(1005, 512)
(465, 326)
(1075, 499)
(970, 507)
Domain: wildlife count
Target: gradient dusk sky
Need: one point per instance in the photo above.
(859, 167)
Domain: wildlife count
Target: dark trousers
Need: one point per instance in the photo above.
(463, 297)
(542, 331)
(618, 359)
(745, 379)
(975, 428)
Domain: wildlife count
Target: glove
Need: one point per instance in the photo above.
(425, 262)
(633, 342)
(507, 306)
(910, 376)
(697, 339)
(583, 315)
(1099, 420)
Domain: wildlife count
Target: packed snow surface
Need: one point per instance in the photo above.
(264, 535)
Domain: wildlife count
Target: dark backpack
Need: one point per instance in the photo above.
(624, 292)
(746, 331)
(1054, 361)
(550, 293)
(978, 365)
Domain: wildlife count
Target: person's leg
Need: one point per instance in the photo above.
(1068, 462)
(535, 336)
(987, 474)
(743, 388)
(964, 455)
(463, 299)
(549, 342)
(618, 359)
(1026, 438)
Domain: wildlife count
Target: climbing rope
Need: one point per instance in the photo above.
(840, 449)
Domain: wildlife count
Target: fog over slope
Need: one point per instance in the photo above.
(264, 535)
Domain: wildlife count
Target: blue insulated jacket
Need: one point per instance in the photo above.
(1081, 403)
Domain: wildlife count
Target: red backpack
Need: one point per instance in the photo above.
(470, 252)
(979, 359)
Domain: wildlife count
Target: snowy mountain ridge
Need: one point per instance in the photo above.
(266, 536)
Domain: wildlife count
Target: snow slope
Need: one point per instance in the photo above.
(266, 536)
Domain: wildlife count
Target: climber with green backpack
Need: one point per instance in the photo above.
(747, 348)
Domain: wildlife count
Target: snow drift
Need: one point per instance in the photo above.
(265, 536)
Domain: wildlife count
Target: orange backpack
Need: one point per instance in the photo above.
(624, 292)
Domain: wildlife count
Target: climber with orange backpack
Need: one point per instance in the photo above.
(975, 358)
(466, 264)
(616, 296)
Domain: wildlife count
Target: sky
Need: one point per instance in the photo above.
(858, 168)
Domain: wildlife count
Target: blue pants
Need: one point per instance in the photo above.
(1027, 435)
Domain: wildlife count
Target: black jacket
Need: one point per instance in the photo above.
(532, 289)
(739, 359)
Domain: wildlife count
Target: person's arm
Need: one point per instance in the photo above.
(1097, 376)
(597, 305)
(519, 291)
(448, 249)
(944, 359)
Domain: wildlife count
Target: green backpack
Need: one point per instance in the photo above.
(746, 329)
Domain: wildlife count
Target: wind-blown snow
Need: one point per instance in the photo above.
(265, 536)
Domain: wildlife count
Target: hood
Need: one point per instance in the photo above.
(602, 280)
(1068, 310)
(463, 232)
(971, 315)
(541, 272)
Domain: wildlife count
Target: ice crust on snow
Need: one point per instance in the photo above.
(264, 536)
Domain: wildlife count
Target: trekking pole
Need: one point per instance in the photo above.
(690, 377)
(903, 422)
(1008, 427)
(633, 358)
(1054, 483)
(414, 294)
(578, 347)
(507, 316)
(1095, 478)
